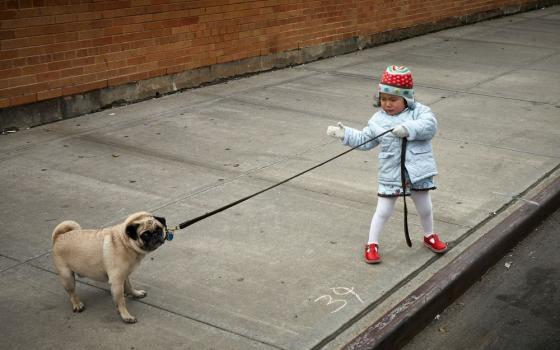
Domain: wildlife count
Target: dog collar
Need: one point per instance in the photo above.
(169, 234)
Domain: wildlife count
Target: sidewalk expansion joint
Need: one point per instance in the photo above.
(19, 263)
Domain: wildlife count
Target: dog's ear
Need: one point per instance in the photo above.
(162, 220)
(132, 231)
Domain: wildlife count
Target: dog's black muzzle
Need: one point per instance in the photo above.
(153, 240)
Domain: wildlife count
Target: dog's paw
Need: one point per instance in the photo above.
(79, 307)
(139, 294)
(129, 319)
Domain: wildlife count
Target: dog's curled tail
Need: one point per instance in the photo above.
(63, 227)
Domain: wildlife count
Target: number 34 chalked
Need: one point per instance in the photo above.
(341, 297)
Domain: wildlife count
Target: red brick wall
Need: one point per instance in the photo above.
(54, 48)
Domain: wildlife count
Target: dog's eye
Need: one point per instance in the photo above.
(149, 233)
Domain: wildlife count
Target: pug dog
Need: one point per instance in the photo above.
(106, 255)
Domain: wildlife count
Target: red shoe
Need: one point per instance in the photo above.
(434, 244)
(372, 255)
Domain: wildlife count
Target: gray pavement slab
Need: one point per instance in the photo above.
(545, 24)
(517, 34)
(435, 72)
(283, 270)
(526, 84)
(509, 124)
(481, 52)
(404, 46)
(550, 63)
(552, 15)
(320, 95)
(31, 298)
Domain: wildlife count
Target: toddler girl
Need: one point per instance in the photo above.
(408, 119)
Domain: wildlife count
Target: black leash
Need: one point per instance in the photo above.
(216, 211)
(403, 182)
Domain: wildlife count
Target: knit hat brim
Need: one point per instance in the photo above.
(407, 94)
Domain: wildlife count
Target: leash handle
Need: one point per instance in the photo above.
(403, 182)
(216, 211)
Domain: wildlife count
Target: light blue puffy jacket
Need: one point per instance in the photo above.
(421, 125)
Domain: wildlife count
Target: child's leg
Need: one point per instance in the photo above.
(423, 202)
(385, 206)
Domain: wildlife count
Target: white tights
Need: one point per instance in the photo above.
(385, 206)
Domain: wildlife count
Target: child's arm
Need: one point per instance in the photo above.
(354, 137)
(423, 126)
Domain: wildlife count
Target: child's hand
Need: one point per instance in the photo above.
(400, 131)
(336, 131)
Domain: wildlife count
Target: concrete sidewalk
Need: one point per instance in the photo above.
(283, 270)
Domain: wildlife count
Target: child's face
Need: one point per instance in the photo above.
(392, 104)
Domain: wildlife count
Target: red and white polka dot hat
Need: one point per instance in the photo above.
(397, 80)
